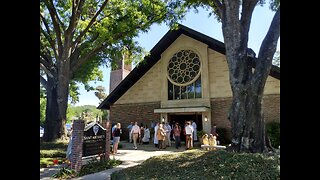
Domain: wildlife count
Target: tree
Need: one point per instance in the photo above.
(78, 36)
(100, 93)
(247, 73)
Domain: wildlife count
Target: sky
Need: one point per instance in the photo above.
(261, 19)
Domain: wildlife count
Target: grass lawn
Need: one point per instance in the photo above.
(199, 164)
(50, 151)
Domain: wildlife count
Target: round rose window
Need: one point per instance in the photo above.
(184, 67)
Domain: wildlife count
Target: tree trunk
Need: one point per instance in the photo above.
(248, 127)
(247, 85)
(51, 123)
(62, 96)
(57, 104)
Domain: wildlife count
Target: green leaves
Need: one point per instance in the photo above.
(113, 28)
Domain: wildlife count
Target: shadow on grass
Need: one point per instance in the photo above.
(199, 164)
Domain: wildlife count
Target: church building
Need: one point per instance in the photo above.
(184, 78)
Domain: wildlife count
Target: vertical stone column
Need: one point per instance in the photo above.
(107, 126)
(77, 144)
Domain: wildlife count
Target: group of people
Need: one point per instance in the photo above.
(162, 133)
(138, 134)
(211, 139)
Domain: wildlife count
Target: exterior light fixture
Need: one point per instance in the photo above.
(162, 119)
(205, 118)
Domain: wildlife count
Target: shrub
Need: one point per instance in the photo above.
(273, 131)
(201, 133)
(223, 137)
(52, 153)
(65, 173)
(53, 145)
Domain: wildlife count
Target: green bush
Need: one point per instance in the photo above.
(53, 145)
(52, 153)
(65, 173)
(223, 137)
(201, 133)
(273, 131)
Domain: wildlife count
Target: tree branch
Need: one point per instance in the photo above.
(51, 42)
(55, 20)
(45, 53)
(74, 19)
(46, 70)
(220, 7)
(79, 62)
(43, 82)
(90, 23)
(47, 64)
(245, 21)
(267, 50)
(76, 50)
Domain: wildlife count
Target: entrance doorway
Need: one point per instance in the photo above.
(182, 118)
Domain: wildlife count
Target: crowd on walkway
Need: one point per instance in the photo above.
(161, 134)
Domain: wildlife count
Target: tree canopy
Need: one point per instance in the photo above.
(79, 36)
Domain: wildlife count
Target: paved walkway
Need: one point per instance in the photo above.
(128, 156)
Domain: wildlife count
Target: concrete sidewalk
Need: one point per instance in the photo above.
(128, 156)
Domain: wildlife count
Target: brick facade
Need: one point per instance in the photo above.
(220, 108)
(140, 112)
(77, 142)
(271, 108)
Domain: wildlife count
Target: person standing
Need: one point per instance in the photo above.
(189, 132)
(141, 133)
(161, 136)
(172, 125)
(155, 139)
(112, 130)
(168, 132)
(195, 137)
(176, 134)
(135, 132)
(129, 131)
(214, 132)
(116, 138)
(152, 125)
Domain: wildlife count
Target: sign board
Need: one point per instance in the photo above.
(94, 139)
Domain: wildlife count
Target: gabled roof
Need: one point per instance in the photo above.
(155, 55)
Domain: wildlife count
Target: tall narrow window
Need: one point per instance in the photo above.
(198, 88)
(190, 91)
(170, 91)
